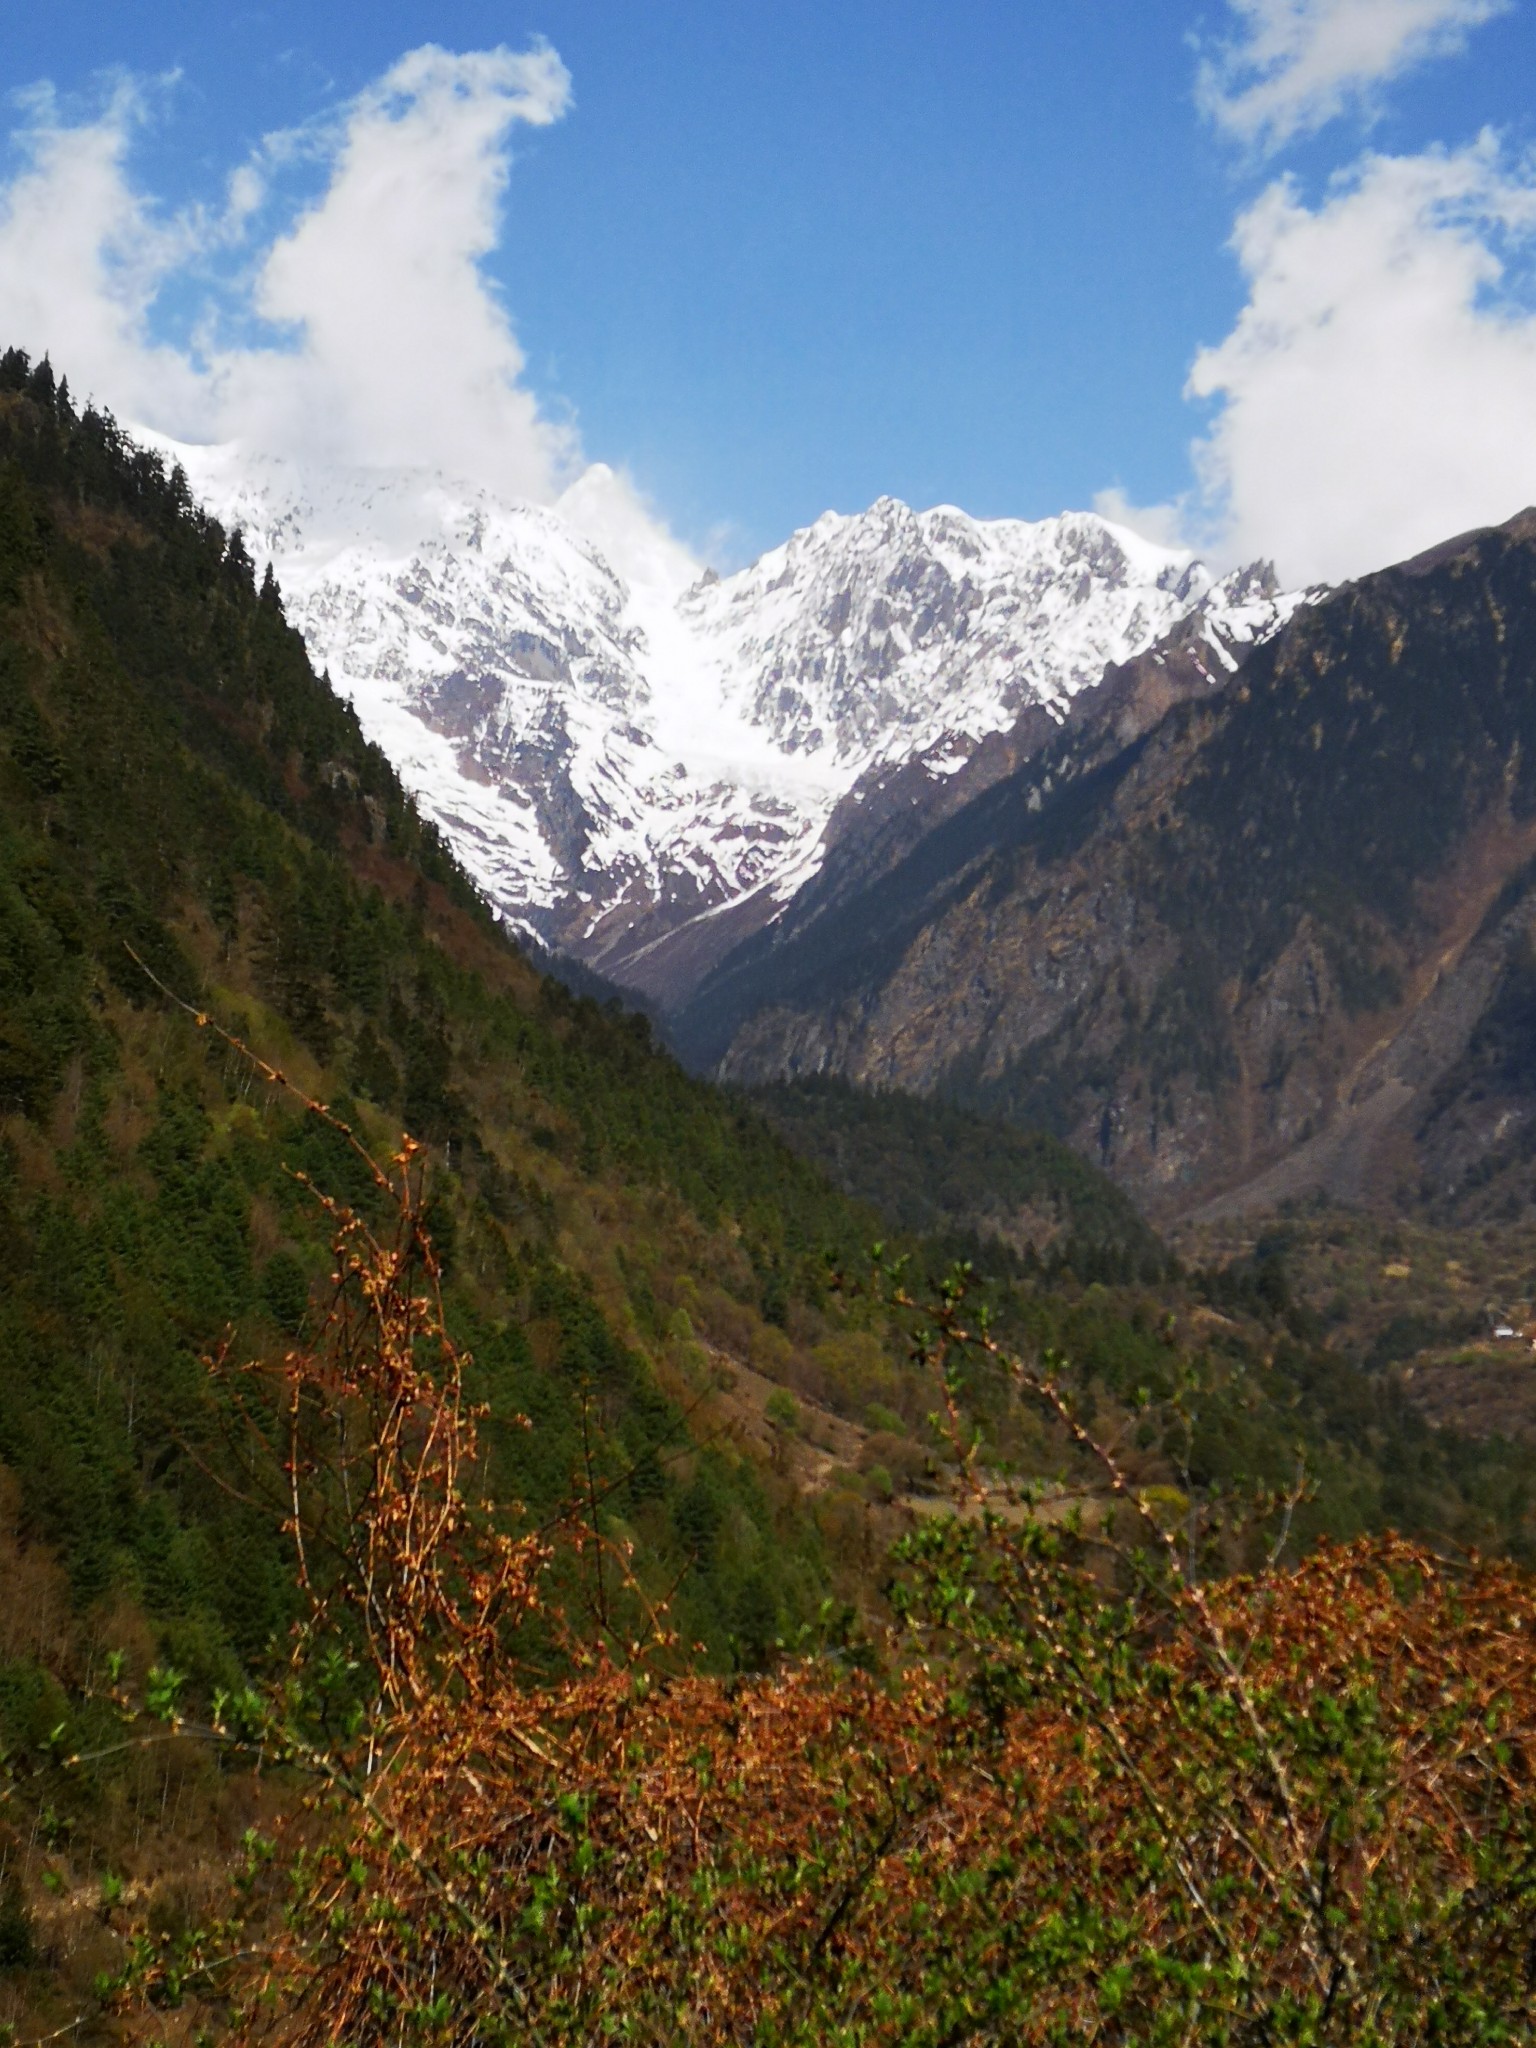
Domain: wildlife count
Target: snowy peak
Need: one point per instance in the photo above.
(864, 636)
(640, 763)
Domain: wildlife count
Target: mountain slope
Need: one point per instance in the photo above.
(633, 1259)
(1272, 940)
(643, 768)
(175, 780)
(936, 1171)
(660, 1303)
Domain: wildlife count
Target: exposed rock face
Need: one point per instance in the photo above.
(642, 770)
(1236, 938)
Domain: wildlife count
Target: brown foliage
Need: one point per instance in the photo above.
(1257, 1778)
(710, 1860)
(376, 1442)
(35, 1619)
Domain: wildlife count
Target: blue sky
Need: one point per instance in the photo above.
(767, 260)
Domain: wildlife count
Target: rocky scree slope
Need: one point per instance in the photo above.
(642, 769)
(1235, 941)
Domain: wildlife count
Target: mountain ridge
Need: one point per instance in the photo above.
(668, 1360)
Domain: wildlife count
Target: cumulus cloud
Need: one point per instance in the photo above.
(1297, 64)
(1378, 391)
(83, 256)
(1165, 524)
(608, 507)
(403, 354)
(365, 330)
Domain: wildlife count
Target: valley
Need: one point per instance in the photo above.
(904, 802)
(781, 1417)
(1270, 944)
(768, 1026)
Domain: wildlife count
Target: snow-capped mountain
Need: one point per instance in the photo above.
(619, 759)
(868, 637)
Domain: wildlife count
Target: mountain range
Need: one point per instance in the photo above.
(642, 769)
(1224, 879)
(636, 1259)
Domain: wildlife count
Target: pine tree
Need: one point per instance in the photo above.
(41, 386)
(237, 561)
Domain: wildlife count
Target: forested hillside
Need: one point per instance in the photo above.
(937, 1171)
(181, 791)
(188, 808)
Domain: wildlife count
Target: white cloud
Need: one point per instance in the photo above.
(82, 257)
(609, 508)
(1378, 392)
(1299, 63)
(1164, 524)
(404, 353)
(380, 339)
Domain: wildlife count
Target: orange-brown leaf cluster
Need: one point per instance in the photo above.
(771, 1860)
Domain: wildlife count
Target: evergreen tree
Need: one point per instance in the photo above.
(41, 387)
